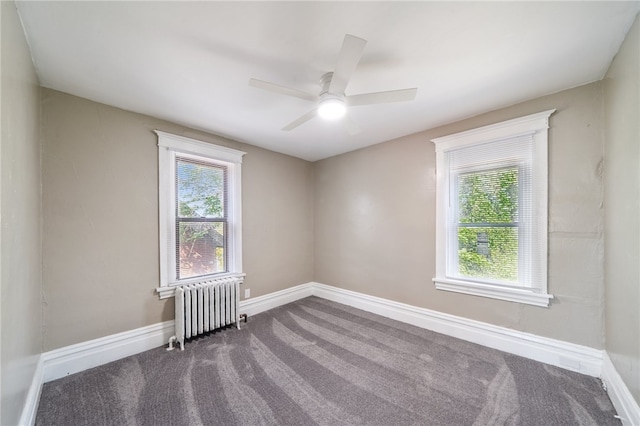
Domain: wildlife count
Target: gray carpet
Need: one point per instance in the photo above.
(319, 362)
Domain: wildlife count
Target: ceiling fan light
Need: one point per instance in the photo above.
(332, 109)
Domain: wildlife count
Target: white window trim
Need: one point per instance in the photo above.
(168, 146)
(537, 126)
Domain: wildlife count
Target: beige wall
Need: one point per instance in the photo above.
(21, 212)
(363, 221)
(622, 207)
(375, 219)
(100, 205)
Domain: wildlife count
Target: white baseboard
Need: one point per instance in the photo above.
(30, 408)
(75, 358)
(259, 304)
(82, 356)
(621, 397)
(570, 356)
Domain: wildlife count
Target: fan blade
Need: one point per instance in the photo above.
(381, 97)
(288, 91)
(308, 116)
(351, 126)
(352, 48)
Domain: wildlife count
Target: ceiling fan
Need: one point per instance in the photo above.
(331, 102)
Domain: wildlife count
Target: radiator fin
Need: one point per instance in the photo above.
(206, 306)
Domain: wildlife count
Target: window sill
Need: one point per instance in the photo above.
(520, 295)
(168, 290)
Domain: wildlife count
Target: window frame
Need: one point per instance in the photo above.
(169, 146)
(535, 126)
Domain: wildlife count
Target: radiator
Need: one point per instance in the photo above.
(205, 306)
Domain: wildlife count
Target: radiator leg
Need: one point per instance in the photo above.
(171, 340)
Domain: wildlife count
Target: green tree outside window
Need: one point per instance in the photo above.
(488, 224)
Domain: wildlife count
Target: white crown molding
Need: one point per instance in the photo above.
(621, 397)
(593, 362)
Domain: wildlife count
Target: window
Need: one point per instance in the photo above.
(200, 211)
(491, 214)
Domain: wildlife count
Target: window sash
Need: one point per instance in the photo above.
(205, 163)
(180, 219)
(225, 246)
(520, 162)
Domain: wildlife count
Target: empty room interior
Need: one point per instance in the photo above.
(456, 242)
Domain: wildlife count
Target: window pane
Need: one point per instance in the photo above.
(201, 249)
(489, 252)
(489, 196)
(486, 198)
(199, 189)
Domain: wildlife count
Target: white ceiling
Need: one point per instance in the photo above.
(190, 62)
